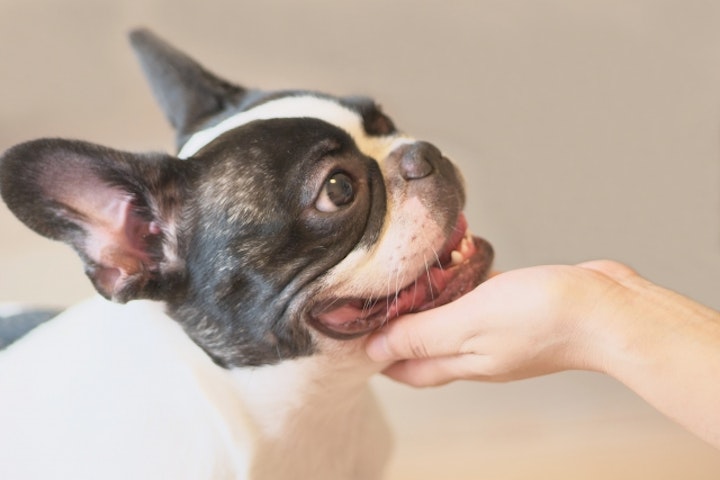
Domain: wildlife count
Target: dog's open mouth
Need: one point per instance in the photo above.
(462, 264)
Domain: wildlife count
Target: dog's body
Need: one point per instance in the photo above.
(249, 272)
(118, 391)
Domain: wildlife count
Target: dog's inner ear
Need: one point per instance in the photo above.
(116, 209)
(120, 245)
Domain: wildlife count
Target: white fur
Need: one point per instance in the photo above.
(119, 391)
(301, 106)
(10, 309)
(304, 106)
(412, 240)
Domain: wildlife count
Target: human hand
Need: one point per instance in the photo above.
(518, 324)
(598, 316)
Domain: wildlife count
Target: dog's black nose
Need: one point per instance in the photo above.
(417, 160)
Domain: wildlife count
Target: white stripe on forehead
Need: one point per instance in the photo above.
(304, 106)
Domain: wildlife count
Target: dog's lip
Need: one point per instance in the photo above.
(464, 262)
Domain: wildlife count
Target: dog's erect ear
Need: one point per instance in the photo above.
(186, 92)
(118, 210)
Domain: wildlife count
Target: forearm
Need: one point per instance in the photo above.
(666, 348)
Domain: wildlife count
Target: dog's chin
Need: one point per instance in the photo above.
(463, 264)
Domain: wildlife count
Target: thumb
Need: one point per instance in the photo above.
(433, 333)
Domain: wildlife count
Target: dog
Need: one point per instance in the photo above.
(237, 280)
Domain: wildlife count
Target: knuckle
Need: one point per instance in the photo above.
(417, 348)
(407, 344)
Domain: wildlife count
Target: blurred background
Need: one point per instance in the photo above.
(585, 130)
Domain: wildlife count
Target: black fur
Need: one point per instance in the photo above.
(258, 246)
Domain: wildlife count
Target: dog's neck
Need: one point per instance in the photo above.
(318, 413)
(276, 395)
(313, 412)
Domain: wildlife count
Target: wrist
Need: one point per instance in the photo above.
(637, 325)
(611, 318)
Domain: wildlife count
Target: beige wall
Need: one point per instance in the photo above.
(585, 130)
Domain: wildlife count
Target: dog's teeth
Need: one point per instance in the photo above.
(456, 258)
(467, 247)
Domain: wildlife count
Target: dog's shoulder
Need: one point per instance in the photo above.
(113, 391)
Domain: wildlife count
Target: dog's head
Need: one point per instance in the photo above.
(287, 217)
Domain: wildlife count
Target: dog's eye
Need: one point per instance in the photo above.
(337, 192)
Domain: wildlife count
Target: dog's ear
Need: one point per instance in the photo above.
(187, 93)
(118, 210)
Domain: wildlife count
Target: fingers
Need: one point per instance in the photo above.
(422, 335)
(436, 371)
(419, 373)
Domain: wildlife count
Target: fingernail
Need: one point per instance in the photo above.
(377, 348)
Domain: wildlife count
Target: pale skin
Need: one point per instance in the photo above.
(599, 316)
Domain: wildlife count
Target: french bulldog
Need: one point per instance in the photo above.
(237, 280)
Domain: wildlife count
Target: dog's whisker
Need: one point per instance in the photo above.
(429, 277)
(428, 266)
(398, 282)
(434, 252)
(368, 306)
(331, 304)
(412, 305)
(387, 297)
